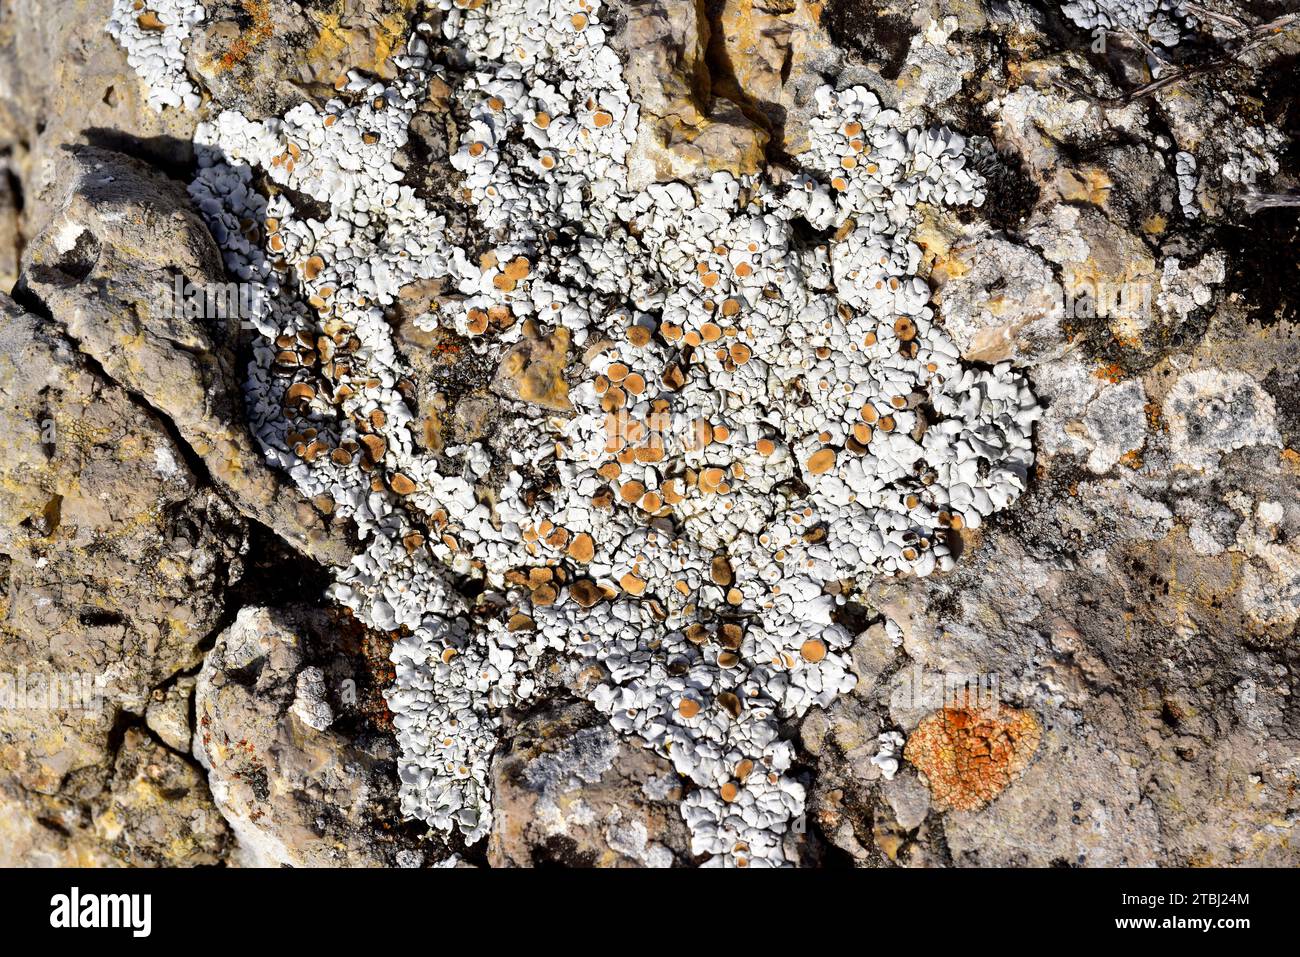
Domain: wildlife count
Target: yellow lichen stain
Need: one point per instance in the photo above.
(337, 40)
(1111, 372)
(1132, 459)
(1090, 185)
(1155, 225)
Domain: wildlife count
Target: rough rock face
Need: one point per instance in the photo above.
(107, 264)
(571, 791)
(115, 557)
(1108, 675)
(294, 791)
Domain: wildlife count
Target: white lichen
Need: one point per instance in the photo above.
(760, 421)
(154, 34)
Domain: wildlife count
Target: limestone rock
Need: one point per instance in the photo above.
(159, 812)
(292, 794)
(571, 790)
(103, 267)
(533, 370)
(685, 131)
(168, 713)
(264, 57)
(114, 557)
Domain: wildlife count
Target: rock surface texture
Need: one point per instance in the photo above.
(649, 433)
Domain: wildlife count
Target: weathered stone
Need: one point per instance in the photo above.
(570, 790)
(533, 370)
(104, 267)
(168, 713)
(115, 558)
(685, 131)
(159, 811)
(263, 57)
(292, 793)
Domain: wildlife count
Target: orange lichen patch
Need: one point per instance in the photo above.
(765, 447)
(602, 118)
(254, 36)
(689, 708)
(401, 484)
(579, 21)
(150, 21)
(1111, 373)
(730, 791)
(1132, 458)
(729, 703)
(638, 335)
(518, 268)
(970, 755)
(585, 592)
(632, 585)
(582, 548)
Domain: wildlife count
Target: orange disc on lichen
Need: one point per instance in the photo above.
(813, 650)
(969, 754)
(823, 460)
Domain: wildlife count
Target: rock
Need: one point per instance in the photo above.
(872, 653)
(999, 300)
(104, 267)
(533, 370)
(63, 81)
(264, 58)
(10, 237)
(115, 556)
(159, 811)
(570, 790)
(168, 714)
(1079, 804)
(769, 58)
(685, 131)
(292, 794)
(39, 831)
(909, 798)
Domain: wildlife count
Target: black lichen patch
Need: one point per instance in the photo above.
(1264, 264)
(877, 37)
